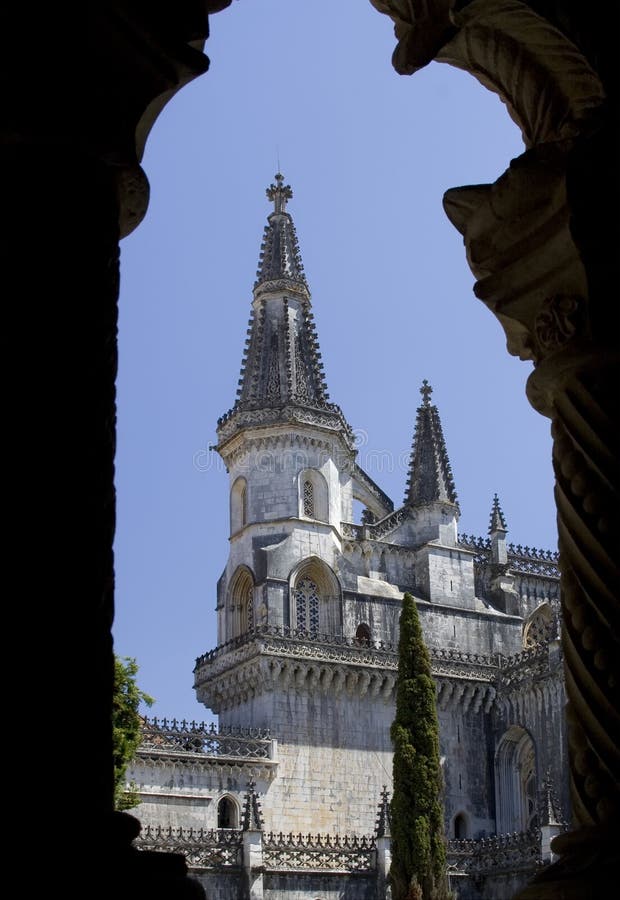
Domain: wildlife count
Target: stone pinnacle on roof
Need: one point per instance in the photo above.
(498, 520)
(382, 823)
(430, 476)
(252, 812)
(280, 258)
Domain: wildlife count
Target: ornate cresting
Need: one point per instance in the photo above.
(538, 242)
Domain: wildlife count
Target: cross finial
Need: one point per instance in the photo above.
(426, 391)
(279, 193)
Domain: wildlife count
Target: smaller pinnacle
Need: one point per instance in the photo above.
(498, 521)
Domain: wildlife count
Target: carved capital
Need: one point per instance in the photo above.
(519, 246)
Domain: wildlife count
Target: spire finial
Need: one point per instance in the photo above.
(426, 391)
(498, 519)
(279, 193)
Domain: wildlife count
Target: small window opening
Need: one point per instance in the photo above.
(362, 635)
(460, 827)
(227, 813)
(309, 499)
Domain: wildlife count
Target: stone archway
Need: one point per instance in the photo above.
(85, 142)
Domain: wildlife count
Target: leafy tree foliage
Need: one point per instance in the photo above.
(125, 727)
(418, 870)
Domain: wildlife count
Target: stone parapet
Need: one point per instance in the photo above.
(495, 854)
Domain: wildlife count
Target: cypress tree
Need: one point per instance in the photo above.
(418, 870)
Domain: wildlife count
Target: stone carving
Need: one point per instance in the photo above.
(183, 737)
(329, 416)
(202, 848)
(273, 375)
(499, 853)
(383, 822)
(252, 819)
(320, 852)
(559, 320)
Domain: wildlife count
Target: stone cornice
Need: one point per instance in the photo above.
(195, 762)
(290, 522)
(328, 417)
(273, 660)
(279, 437)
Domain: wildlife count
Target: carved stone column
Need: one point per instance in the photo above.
(545, 257)
(84, 89)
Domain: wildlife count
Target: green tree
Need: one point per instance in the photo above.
(126, 721)
(418, 870)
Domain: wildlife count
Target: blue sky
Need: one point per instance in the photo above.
(369, 155)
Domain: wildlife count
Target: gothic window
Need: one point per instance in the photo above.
(516, 784)
(309, 499)
(227, 813)
(313, 495)
(240, 617)
(539, 627)
(247, 609)
(307, 605)
(238, 505)
(460, 827)
(243, 502)
(362, 635)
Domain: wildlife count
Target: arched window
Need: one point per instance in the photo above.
(308, 499)
(307, 605)
(238, 505)
(460, 827)
(315, 599)
(313, 495)
(539, 627)
(243, 501)
(362, 634)
(516, 783)
(227, 813)
(240, 618)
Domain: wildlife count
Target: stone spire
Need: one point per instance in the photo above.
(282, 379)
(382, 822)
(497, 521)
(430, 476)
(498, 531)
(252, 812)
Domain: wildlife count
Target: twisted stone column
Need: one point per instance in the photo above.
(540, 244)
